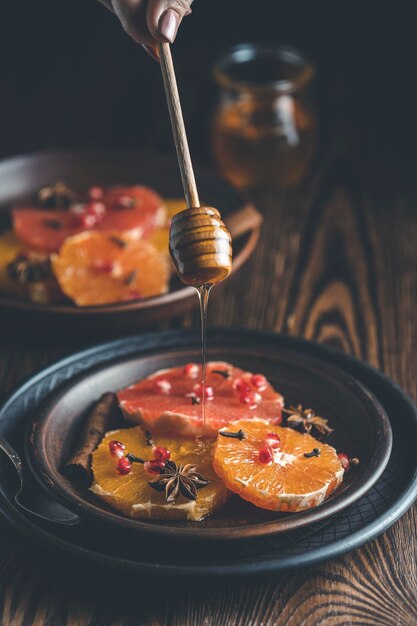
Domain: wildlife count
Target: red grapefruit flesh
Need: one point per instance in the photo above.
(136, 210)
(170, 400)
(44, 230)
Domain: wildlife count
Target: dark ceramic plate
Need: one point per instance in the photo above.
(20, 177)
(100, 546)
(361, 428)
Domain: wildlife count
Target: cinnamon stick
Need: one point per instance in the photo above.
(103, 416)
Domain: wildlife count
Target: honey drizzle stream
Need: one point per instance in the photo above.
(203, 296)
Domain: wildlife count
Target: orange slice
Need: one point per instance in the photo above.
(97, 268)
(291, 481)
(10, 247)
(174, 205)
(132, 495)
(160, 236)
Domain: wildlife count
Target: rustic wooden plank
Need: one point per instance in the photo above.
(353, 263)
(333, 297)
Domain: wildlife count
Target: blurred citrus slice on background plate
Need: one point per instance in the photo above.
(97, 268)
(137, 210)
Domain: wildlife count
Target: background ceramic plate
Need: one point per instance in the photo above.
(373, 513)
(20, 177)
(361, 428)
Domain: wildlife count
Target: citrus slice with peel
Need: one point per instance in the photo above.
(300, 475)
(131, 494)
(170, 399)
(160, 236)
(97, 268)
(135, 210)
(10, 247)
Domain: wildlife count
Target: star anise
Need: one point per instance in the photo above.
(307, 419)
(179, 479)
(29, 268)
(57, 196)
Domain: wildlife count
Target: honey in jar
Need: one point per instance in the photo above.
(264, 129)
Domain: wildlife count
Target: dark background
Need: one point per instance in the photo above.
(336, 261)
(70, 77)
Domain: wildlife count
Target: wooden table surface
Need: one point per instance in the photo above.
(337, 263)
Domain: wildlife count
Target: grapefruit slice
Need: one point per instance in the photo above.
(170, 400)
(295, 480)
(132, 496)
(42, 229)
(137, 210)
(96, 268)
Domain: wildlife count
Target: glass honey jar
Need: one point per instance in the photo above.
(264, 128)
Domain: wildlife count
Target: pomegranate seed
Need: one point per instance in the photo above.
(116, 449)
(87, 220)
(154, 466)
(209, 392)
(345, 460)
(101, 265)
(163, 386)
(251, 399)
(95, 193)
(124, 202)
(161, 454)
(191, 370)
(259, 381)
(265, 455)
(241, 386)
(123, 466)
(92, 213)
(272, 441)
(95, 208)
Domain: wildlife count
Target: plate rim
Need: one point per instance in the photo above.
(39, 469)
(371, 530)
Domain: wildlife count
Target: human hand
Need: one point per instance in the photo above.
(150, 21)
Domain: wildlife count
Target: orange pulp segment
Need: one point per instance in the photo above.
(10, 247)
(98, 268)
(131, 494)
(291, 482)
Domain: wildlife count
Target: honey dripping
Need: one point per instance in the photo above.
(203, 295)
(200, 246)
(199, 242)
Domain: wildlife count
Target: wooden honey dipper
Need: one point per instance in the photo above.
(199, 242)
